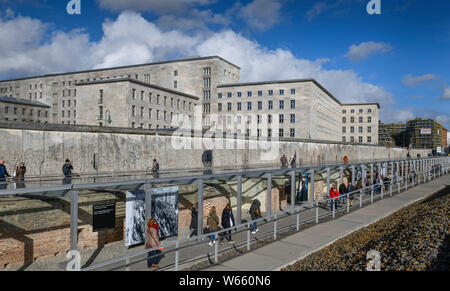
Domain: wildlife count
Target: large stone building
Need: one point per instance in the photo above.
(120, 97)
(197, 76)
(127, 102)
(16, 109)
(360, 123)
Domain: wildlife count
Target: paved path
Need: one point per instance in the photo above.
(288, 250)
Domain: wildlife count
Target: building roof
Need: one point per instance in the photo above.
(116, 80)
(189, 59)
(6, 99)
(357, 104)
(281, 82)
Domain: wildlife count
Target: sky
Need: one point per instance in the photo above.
(399, 58)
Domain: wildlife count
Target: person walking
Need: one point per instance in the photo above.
(3, 175)
(334, 195)
(284, 161)
(67, 172)
(293, 161)
(255, 213)
(351, 189)
(227, 222)
(213, 225)
(194, 221)
(152, 241)
(342, 190)
(155, 168)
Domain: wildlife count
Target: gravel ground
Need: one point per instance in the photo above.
(415, 238)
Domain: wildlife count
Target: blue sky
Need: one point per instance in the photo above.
(400, 58)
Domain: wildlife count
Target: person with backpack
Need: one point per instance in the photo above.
(227, 222)
(350, 189)
(255, 213)
(67, 172)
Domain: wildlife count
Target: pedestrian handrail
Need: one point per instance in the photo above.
(427, 174)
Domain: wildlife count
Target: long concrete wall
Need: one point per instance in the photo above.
(44, 148)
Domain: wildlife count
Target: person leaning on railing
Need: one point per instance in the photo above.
(350, 189)
(334, 195)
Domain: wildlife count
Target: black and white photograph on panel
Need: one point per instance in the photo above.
(135, 218)
(164, 210)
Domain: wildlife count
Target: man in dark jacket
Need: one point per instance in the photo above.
(350, 189)
(194, 220)
(67, 171)
(3, 175)
(227, 222)
(255, 213)
(342, 191)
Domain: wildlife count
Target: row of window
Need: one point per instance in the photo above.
(64, 115)
(250, 93)
(360, 119)
(150, 113)
(5, 89)
(68, 103)
(157, 98)
(150, 126)
(258, 118)
(24, 120)
(360, 139)
(259, 132)
(360, 129)
(259, 105)
(15, 111)
(369, 110)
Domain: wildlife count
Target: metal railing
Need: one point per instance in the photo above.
(424, 171)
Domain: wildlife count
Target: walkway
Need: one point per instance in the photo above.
(298, 246)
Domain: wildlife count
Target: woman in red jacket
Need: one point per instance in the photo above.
(152, 241)
(334, 195)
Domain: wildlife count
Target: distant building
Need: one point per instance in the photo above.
(421, 133)
(444, 138)
(22, 110)
(360, 123)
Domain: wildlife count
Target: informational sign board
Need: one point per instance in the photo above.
(103, 217)
(425, 131)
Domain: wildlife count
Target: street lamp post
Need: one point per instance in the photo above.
(108, 116)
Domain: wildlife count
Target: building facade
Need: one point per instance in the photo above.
(360, 123)
(15, 109)
(197, 76)
(131, 103)
(302, 109)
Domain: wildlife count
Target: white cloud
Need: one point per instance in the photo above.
(131, 39)
(158, 6)
(411, 81)
(446, 94)
(261, 14)
(316, 10)
(366, 49)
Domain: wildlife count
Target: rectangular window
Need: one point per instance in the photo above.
(292, 118)
(281, 104)
(360, 129)
(239, 94)
(360, 139)
(352, 129)
(269, 118)
(259, 93)
(219, 107)
(280, 132)
(249, 105)
(175, 84)
(292, 91)
(292, 132)
(249, 93)
(133, 93)
(344, 119)
(270, 105)
(259, 105)
(133, 110)
(175, 73)
(369, 119)
(239, 106)
(149, 113)
(360, 111)
(369, 129)
(344, 111)
(229, 106)
(369, 139)
(270, 92)
(229, 95)
(352, 119)
(292, 104)
(100, 97)
(281, 118)
(219, 95)
(369, 110)
(360, 119)
(344, 129)
(343, 139)
(142, 112)
(281, 92)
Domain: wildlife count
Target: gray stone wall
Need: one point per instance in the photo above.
(121, 150)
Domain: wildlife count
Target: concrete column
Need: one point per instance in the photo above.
(239, 200)
(341, 174)
(312, 185)
(371, 177)
(353, 175)
(74, 221)
(148, 201)
(269, 194)
(293, 189)
(200, 208)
